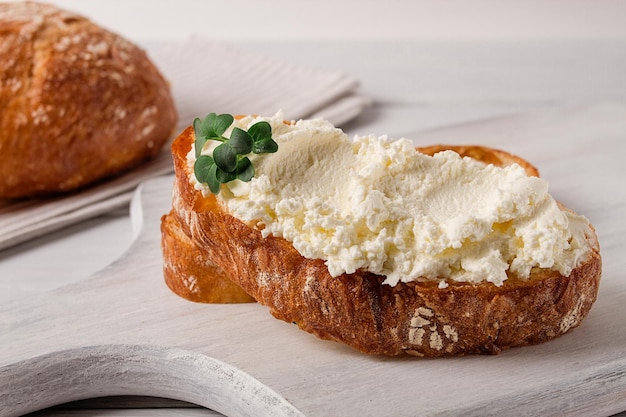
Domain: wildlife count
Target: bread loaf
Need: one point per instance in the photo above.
(358, 309)
(77, 103)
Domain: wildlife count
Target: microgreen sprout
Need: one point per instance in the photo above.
(229, 160)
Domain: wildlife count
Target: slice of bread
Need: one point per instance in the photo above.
(204, 246)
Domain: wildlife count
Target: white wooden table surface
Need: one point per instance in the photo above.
(419, 83)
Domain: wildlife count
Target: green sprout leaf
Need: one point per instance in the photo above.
(260, 130)
(215, 125)
(223, 177)
(265, 146)
(202, 166)
(241, 141)
(229, 161)
(225, 157)
(213, 183)
(200, 136)
(245, 170)
(206, 126)
(212, 127)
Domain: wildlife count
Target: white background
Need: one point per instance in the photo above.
(279, 20)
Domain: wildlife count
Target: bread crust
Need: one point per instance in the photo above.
(485, 154)
(192, 275)
(79, 103)
(357, 309)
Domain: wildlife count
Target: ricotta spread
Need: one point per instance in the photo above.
(374, 203)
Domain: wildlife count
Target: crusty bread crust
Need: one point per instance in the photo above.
(192, 275)
(357, 309)
(79, 103)
(485, 154)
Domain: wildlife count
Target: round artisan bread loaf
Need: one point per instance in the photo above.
(77, 102)
(358, 309)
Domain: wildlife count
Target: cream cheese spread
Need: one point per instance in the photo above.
(374, 203)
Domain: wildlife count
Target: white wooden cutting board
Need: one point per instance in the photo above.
(123, 332)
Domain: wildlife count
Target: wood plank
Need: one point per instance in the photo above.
(122, 332)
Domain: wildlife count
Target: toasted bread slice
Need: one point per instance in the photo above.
(357, 309)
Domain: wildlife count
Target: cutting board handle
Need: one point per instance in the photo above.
(142, 370)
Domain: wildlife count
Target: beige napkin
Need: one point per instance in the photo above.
(206, 76)
(209, 76)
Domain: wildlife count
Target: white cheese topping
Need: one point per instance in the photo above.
(376, 204)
